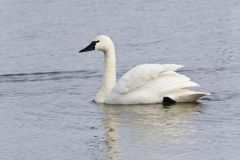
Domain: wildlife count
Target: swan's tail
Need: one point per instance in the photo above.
(175, 86)
(186, 95)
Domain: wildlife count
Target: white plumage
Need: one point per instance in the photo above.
(143, 84)
(149, 83)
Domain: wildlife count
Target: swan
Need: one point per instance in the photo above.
(143, 84)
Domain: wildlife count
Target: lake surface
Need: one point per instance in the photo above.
(46, 86)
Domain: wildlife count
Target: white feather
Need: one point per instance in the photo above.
(140, 75)
(152, 86)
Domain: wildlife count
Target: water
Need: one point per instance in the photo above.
(46, 86)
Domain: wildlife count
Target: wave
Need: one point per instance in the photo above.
(47, 76)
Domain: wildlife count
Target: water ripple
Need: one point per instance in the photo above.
(47, 76)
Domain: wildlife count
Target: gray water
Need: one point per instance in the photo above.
(46, 86)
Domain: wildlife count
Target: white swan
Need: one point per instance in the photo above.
(143, 84)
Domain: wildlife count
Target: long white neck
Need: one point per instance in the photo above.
(109, 77)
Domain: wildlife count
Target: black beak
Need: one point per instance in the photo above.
(90, 47)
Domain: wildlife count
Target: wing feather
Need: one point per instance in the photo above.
(140, 75)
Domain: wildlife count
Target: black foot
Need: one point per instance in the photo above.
(168, 101)
(93, 101)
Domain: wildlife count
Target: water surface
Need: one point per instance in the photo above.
(46, 87)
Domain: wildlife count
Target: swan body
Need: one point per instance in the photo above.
(143, 84)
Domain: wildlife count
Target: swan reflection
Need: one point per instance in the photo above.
(131, 126)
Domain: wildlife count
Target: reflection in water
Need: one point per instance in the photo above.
(111, 137)
(146, 125)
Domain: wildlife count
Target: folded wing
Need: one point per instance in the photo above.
(138, 76)
(149, 83)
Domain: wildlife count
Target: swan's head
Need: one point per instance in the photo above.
(100, 43)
